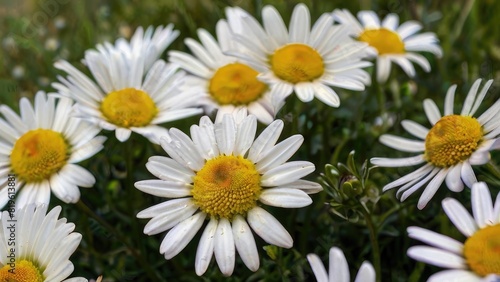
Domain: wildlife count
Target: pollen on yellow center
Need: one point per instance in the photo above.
(482, 251)
(227, 186)
(297, 63)
(38, 154)
(384, 40)
(129, 107)
(236, 84)
(452, 140)
(22, 271)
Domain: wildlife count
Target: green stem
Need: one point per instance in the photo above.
(493, 169)
(374, 242)
(144, 264)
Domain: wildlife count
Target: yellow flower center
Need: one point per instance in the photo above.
(38, 154)
(482, 251)
(22, 271)
(236, 84)
(227, 186)
(384, 40)
(129, 107)
(297, 63)
(452, 140)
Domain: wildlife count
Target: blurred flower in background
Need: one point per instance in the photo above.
(135, 91)
(301, 60)
(391, 42)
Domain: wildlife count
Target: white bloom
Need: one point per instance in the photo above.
(222, 174)
(41, 148)
(134, 91)
(226, 82)
(449, 149)
(477, 259)
(339, 269)
(391, 42)
(37, 245)
(303, 59)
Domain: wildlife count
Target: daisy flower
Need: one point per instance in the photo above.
(40, 150)
(134, 91)
(307, 61)
(338, 268)
(35, 246)
(454, 143)
(222, 174)
(477, 259)
(226, 82)
(391, 42)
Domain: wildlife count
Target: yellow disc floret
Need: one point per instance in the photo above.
(21, 271)
(38, 154)
(129, 107)
(227, 186)
(384, 40)
(236, 84)
(482, 251)
(297, 63)
(452, 140)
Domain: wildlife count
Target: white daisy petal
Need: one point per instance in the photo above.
(280, 153)
(165, 207)
(285, 198)
(398, 162)
(454, 180)
(274, 25)
(432, 111)
(455, 275)
(326, 95)
(178, 238)
(432, 188)
(287, 172)
(205, 247)
(162, 188)
(245, 243)
(415, 129)
(224, 248)
(383, 69)
(338, 265)
(265, 141)
(318, 268)
(366, 273)
(471, 97)
(468, 175)
(459, 216)
(122, 134)
(482, 206)
(448, 102)
(435, 239)
(402, 144)
(225, 134)
(307, 186)
(268, 228)
(391, 21)
(304, 91)
(245, 136)
(436, 257)
(300, 24)
(170, 219)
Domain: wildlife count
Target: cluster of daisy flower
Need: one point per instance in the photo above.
(221, 176)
